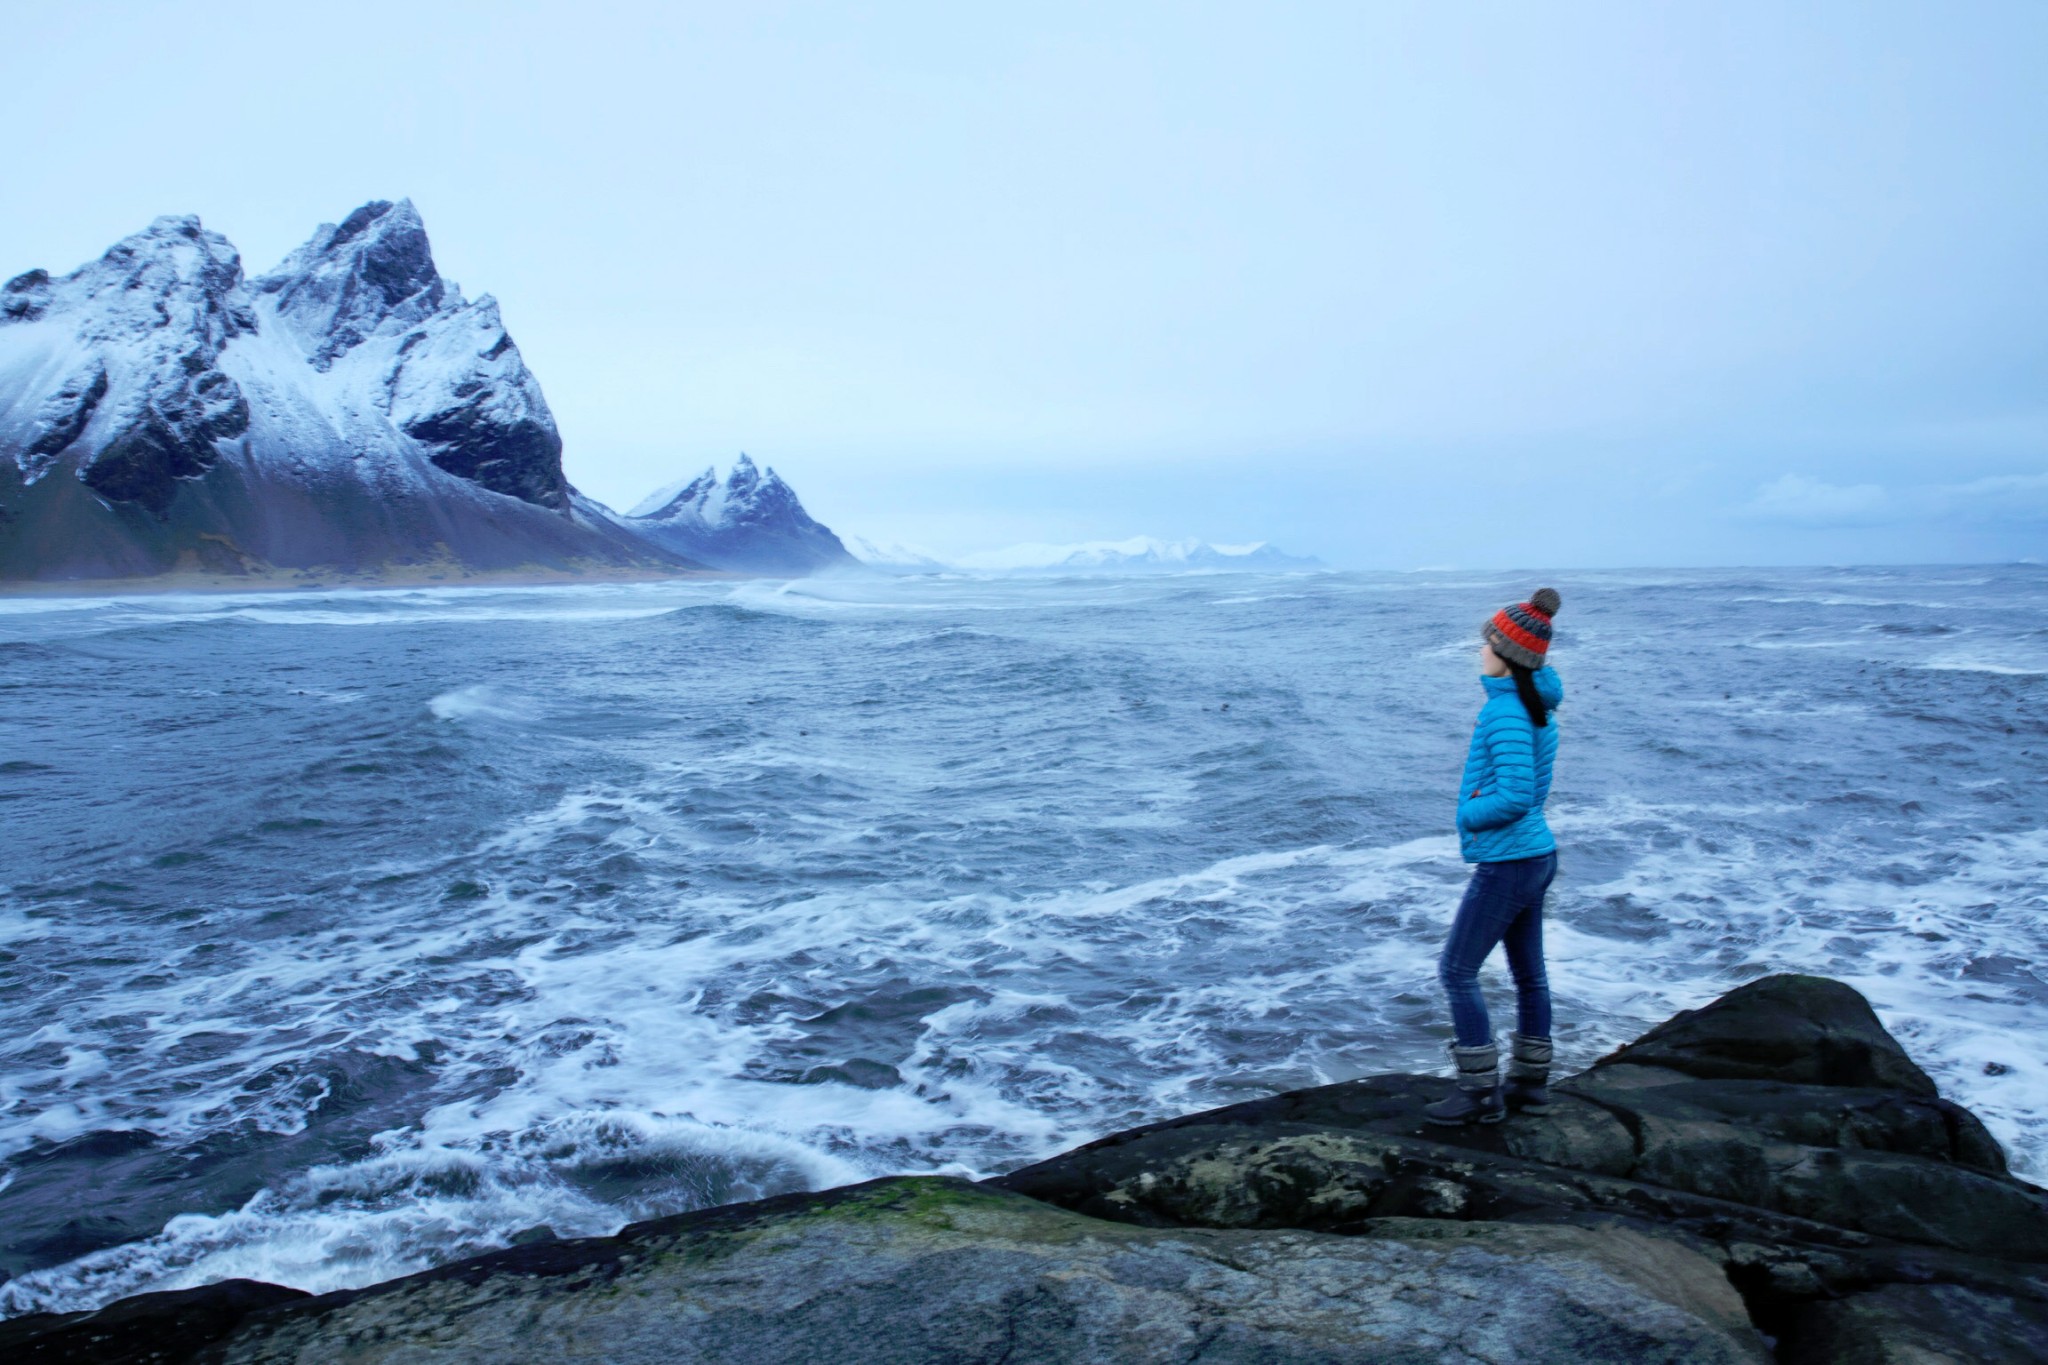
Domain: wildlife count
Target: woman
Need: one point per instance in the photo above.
(1501, 828)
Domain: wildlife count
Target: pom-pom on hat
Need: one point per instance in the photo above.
(1521, 633)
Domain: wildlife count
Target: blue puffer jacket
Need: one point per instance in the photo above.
(1507, 775)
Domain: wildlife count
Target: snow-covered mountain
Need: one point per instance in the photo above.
(895, 557)
(348, 411)
(1141, 554)
(749, 522)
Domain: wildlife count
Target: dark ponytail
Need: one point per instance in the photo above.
(1525, 687)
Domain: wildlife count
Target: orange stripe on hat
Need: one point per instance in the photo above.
(1508, 626)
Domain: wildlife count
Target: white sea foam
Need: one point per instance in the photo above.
(484, 702)
(372, 607)
(2003, 667)
(948, 878)
(640, 1010)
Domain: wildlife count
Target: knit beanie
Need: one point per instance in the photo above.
(1521, 633)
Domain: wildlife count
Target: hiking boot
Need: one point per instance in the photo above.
(1477, 1098)
(1528, 1089)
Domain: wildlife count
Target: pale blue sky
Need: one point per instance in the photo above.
(1398, 285)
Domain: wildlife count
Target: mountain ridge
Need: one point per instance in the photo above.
(347, 415)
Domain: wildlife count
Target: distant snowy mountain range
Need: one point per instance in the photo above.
(894, 557)
(348, 413)
(1141, 554)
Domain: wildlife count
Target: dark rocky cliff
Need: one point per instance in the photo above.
(1770, 1177)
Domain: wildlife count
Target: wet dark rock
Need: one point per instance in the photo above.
(1811, 1171)
(1918, 1324)
(1806, 1029)
(1705, 1194)
(148, 1329)
(930, 1269)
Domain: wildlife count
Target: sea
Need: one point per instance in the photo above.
(347, 933)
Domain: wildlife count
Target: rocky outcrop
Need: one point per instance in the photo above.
(348, 413)
(749, 522)
(927, 1270)
(1768, 1177)
(1780, 1131)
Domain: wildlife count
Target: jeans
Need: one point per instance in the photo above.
(1503, 904)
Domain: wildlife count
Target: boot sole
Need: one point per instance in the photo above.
(1488, 1119)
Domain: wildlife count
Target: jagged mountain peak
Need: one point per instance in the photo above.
(750, 520)
(748, 495)
(372, 272)
(120, 360)
(173, 274)
(179, 237)
(745, 475)
(754, 494)
(449, 375)
(673, 497)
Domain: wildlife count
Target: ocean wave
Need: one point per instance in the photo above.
(2004, 668)
(508, 921)
(482, 701)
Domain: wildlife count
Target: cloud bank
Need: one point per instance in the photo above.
(2006, 500)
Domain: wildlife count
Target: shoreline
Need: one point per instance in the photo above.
(312, 581)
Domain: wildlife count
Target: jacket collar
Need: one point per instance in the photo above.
(1548, 686)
